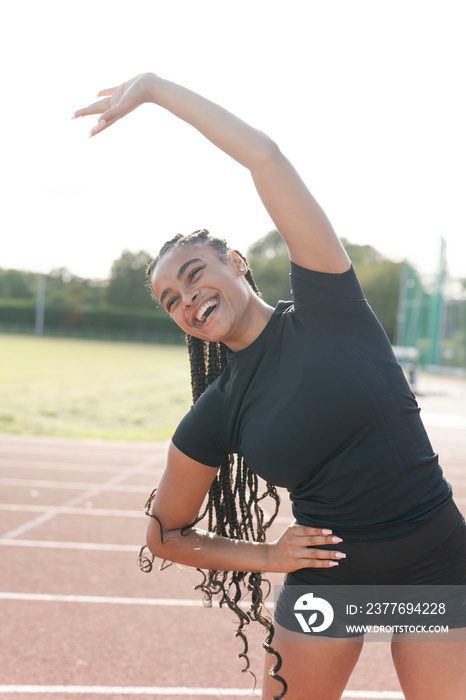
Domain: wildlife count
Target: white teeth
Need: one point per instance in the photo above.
(204, 307)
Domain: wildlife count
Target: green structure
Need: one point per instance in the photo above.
(422, 312)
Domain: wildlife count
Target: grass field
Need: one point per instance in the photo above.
(81, 388)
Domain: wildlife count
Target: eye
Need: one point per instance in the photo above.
(193, 273)
(170, 303)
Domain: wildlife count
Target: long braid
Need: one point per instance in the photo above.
(197, 352)
(234, 507)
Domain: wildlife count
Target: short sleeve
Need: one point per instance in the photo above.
(310, 287)
(201, 435)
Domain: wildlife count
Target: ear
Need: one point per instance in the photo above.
(239, 262)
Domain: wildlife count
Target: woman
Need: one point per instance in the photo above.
(314, 400)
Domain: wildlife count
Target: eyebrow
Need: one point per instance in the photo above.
(179, 275)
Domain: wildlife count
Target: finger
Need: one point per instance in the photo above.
(107, 91)
(111, 116)
(94, 108)
(107, 119)
(101, 126)
(307, 542)
(317, 541)
(325, 554)
(314, 540)
(316, 564)
(305, 531)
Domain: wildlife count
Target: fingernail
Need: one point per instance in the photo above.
(97, 128)
(340, 555)
(337, 539)
(326, 532)
(333, 563)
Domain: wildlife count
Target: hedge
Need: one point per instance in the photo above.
(23, 311)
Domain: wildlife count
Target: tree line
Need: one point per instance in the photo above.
(124, 300)
(122, 305)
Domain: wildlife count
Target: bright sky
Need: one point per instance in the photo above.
(366, 97)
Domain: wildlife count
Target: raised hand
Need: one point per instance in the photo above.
(118, 101)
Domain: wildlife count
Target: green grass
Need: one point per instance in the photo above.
(81, 388)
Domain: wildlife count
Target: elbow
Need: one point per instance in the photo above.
(268, 151)
(154, 539)
(267, 157)
(182, 546)
(164, 544)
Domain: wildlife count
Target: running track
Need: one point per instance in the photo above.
(78, 618)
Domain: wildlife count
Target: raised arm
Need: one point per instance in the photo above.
(308, 234)
(177, 502)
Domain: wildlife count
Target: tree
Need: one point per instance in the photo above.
(268, 258)
(128, 284)
(64, 289)
(15, 285)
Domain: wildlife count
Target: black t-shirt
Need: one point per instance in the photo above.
(319, 404)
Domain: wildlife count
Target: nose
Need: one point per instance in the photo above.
(189, 298)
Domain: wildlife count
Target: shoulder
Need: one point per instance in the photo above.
(314, 286)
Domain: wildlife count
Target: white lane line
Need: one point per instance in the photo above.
(94, 467)
(89, 546)
(373, 694)
(47, 444)
(105, 690)
(78, 485)
(91, 490)
(181, 691)
(119, 600)
(112, 600)
(62, 510)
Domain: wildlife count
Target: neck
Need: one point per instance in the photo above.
(252, 323)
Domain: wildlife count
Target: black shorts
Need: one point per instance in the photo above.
(430, 559)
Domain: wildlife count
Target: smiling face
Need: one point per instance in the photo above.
(204, 293)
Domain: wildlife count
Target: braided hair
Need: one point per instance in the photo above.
(234, 505)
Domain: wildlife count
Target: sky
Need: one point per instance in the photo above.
(365, 97)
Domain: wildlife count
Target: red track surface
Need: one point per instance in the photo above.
(80, 616)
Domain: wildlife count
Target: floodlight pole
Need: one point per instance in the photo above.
(40, 304)
(437, 307)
